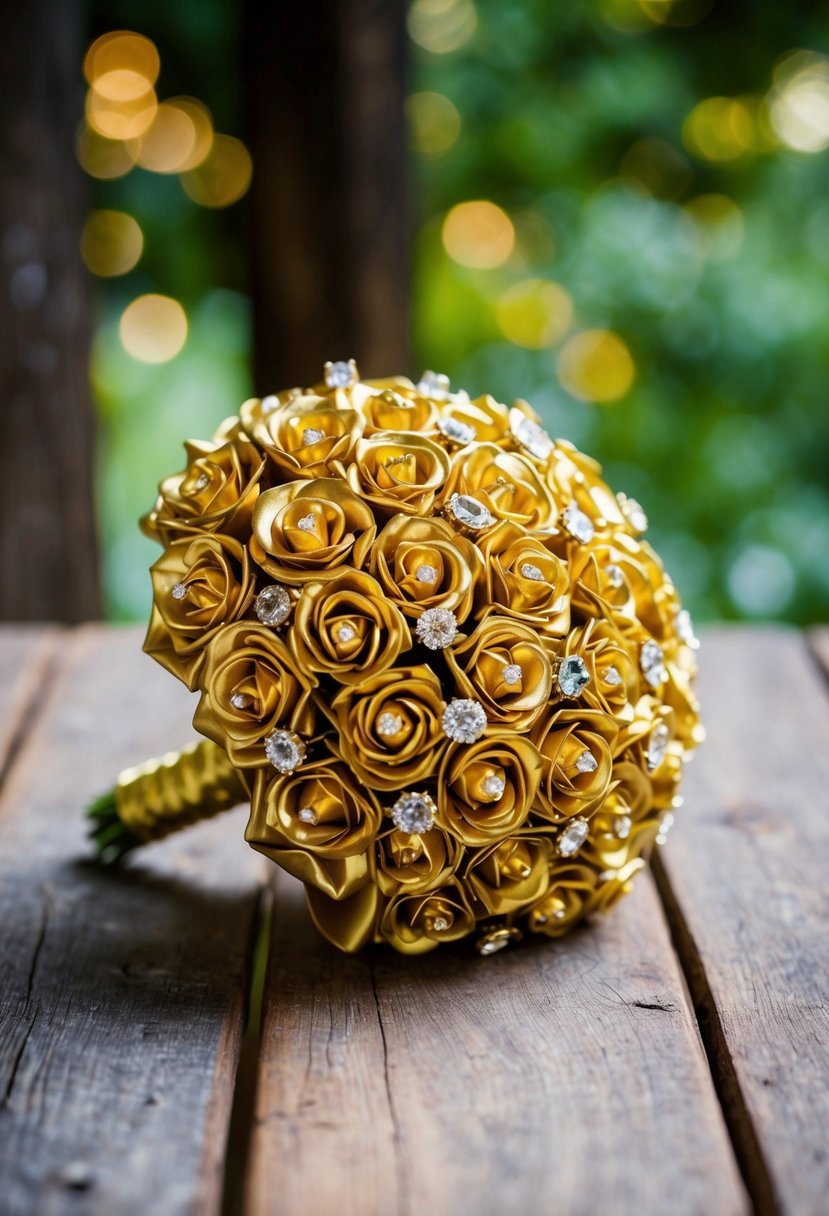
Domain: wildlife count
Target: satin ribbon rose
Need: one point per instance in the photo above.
(306, 529)
(486, 789)
(505, 876)
(503, 665)
(524, 579)
(576, 747)
(250, 685)
(347, 628)
(424, 563)
(415, 924)
(406, 862)
(506, 483)
(305, 436)
(570, 892)
(199, 585)
(390, 410)
(398, 472)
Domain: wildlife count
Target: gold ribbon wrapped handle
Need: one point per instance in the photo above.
(164, 795)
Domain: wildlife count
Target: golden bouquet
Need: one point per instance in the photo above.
(433, 652)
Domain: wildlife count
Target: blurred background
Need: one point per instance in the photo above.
(617, 209)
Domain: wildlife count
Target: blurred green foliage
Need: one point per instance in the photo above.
(572, 119)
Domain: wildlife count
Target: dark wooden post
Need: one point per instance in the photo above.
(329, 223)
(48, 550)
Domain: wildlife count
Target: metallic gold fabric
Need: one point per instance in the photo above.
(433, 649)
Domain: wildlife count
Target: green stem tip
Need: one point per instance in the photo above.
(112, 838)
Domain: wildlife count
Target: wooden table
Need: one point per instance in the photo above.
(670, 1059)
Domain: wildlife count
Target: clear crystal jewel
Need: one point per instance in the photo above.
(491, 945)
(273, 605)
(308, 523)
(389, 724)
(666, 822)
(532, 572)
(201, 483)
(587, 762)
(307, 814)
(573, 837)
(533, 437)
(340, 374)
(494, 785)
(426, 573)
(612, 677)
(512, 673)
(652, 661)
(178, 591)
(633, 512)
(440, 924)
(572, 676)
(312, 434)
(464, 720)
(459, 432)
(468, 511)
(241, 700)
(269, 404)
(285, 750)
(684, 626)
(437, 628)
(579, 525)
(346, 633)
(657, 745)
(622, 825)
(434, 385)
(413, 813)
(614, 576)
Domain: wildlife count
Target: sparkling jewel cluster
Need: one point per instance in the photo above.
(454, 677)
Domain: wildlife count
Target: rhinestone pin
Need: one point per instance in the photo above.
(312, 434)
(459, 432)
(308, 523)
(573, 837)
(532, 572)
(685, 628)
(179, 591)
(341, 374)
(413, 813)
(285, 750)
(437, 628)
(633, 512)
(612, 677)
(657, 746)
(241, 700)
(470, 512)
(426, 573)
(622, 825)
(434, 385)
(464, 720)
(577, 524)
(273, 605)
(587, 762)
(614, 576)
(533, 437)
(652, 661)
(512, 673)
(494, 785)
(201, 483)
(346, 633)
(307, 814)
(572, 676)
(389, 724)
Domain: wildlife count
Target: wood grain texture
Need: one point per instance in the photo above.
(556, 1078)
(26, 655)
(747, 891)
(122, 994)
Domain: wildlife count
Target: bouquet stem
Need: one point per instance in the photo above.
(162, 796)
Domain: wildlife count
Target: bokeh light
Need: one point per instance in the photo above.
(658, 166)
(121, 112)
(223, 176)
(153, 328)
(442, 26)
(204, 135)
(719, 225)
(534, 313)
(719, 129)
(111, 243)
(799, 102)
(676, 12)
(121, 50)
(434, 121)
(596, 365)
(101, 157)
(169, 141)
(478, 234)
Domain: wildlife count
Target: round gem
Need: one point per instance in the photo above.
(469, 512)
(657, 745)
(307, 523)
(269, 404)
(178, 591)
(614, 576)
(512, 673)
(496, 940)
(532, 572)
(434, 385)
(340, 374)
(201, 483)
(685, 628)
(311, 434)
(459, 432)
(440, 924)
(612, 677)
(346, 633)
(587, 762)
(572, 676)
(652, 661)
(426, 573)
(241, 700)
(633, 512)
(494, 785)
(437, 628)
(307, 814)
(464, 720)
(389, 724)
(285, 750)
(579, 525)
(622, 825)
(272, 605)
(533, 437)
(573, 837)
(414, 813)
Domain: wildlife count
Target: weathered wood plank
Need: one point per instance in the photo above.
(555, 1078)
(746, 889)
(122, 995)
(25, 654)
